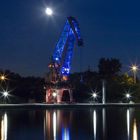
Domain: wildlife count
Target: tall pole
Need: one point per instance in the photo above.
(134, 72)
(134, 69)
(103, 92)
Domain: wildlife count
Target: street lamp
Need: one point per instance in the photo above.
(134, 69)
(54, 94)
(94, 95)
(2, 77)
(128, 96)
(5, 94)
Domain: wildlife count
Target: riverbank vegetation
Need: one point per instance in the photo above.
(118, 84)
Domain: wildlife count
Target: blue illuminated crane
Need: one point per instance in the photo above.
(62, 56)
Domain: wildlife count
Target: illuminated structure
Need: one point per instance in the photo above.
(61, 60)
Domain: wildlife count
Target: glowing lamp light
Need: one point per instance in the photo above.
(56, 59)
(65, 78)
(5, 93)
(2, 77)
(49, 11)
(94, 95)
(128, 95)
(54, 94)
(134, 68)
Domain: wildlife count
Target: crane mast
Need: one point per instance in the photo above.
(60, 65)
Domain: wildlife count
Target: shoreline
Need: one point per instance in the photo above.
(66, 106)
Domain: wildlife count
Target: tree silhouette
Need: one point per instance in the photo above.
(109, 67)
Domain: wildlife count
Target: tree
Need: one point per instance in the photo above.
(109, 67)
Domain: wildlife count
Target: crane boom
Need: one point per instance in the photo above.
(63, 51)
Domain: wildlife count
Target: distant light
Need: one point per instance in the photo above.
(134, 67)
(128, 95)
(54, 94)
(49, 11)
(5, 93)
(2, 77)
(56, 59)
(94, 95)
(65, 78)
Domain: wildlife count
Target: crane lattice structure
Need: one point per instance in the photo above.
(62, 56)
(60, 65)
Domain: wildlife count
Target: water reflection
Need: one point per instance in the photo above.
(63, 124)
(94, 123)
(131, 125)
(135, 133)
(104, 122)
(56, 124)
(65, 134)
(4, 126)
(128, 123)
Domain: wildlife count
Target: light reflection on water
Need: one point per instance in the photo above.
(131, 121)
(135, 133)
(128, 123)
(94, 123)
(68, 124)
(56, 122)
(4, 125)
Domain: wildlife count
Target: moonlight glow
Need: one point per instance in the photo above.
(49, 11)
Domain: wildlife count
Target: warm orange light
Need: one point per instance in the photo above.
(65, 78)
(51, 66)
(2, 77)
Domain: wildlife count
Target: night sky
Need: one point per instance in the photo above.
(110, 28)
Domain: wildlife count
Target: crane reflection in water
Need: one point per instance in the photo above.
(57, 122)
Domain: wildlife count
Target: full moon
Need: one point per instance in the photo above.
(49, 11)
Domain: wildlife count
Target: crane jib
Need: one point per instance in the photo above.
(62, 56)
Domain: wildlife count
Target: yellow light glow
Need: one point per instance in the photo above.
(2, 77)
(134, 67)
